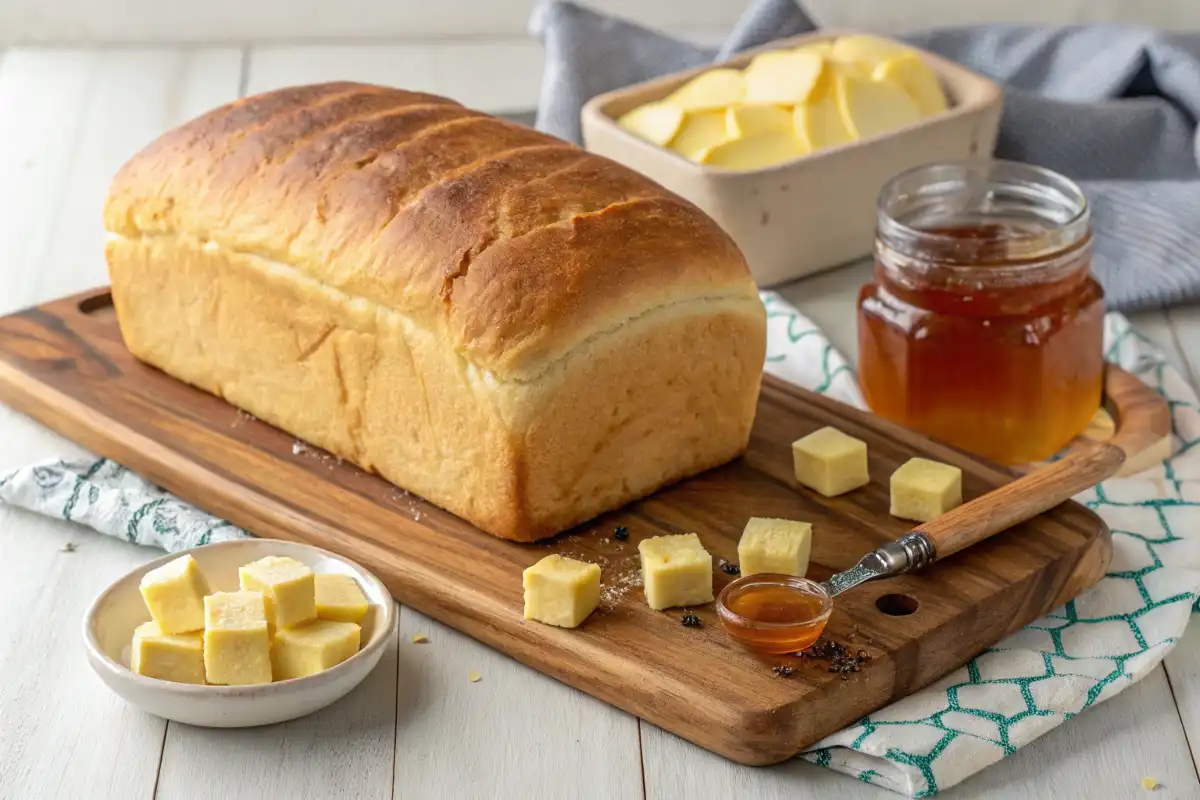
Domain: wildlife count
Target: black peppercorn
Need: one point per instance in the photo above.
(691, 621)
(783, 670)
(620, 533)
(729, 568)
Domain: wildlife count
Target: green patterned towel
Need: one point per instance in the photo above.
(1034, 680)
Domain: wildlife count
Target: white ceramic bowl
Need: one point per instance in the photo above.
(109, 624)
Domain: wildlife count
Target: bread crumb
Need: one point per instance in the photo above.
(474, 677)
(1149, 783)
(419, 638)
(299, 448)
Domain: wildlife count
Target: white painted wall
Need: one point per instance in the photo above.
(292, 20)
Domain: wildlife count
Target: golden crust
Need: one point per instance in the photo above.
(513, 243)
(523, 333)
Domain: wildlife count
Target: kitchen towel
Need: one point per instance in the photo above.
(1114, 107)
(1035, 680)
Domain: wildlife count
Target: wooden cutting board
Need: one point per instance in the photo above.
(64, 364)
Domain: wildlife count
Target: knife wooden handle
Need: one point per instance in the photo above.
(1021, 500)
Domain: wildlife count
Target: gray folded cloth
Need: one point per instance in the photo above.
(1113, 107)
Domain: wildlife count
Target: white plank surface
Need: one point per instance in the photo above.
(499, 77)
(69, 117)
(514, 733)
(76, 21)
(232, 20)
(63, 733)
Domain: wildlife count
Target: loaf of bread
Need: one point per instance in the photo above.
(519, 331)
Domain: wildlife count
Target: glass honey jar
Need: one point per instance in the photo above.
(983, 326)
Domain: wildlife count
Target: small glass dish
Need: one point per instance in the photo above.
(774, 614)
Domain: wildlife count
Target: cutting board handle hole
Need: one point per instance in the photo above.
(897, 605)
(96, 303)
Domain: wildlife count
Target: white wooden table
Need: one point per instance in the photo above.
(417, 728)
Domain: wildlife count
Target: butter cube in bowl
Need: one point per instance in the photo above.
(788, 146)
(230, 671)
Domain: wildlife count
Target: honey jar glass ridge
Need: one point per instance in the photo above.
(983, 326)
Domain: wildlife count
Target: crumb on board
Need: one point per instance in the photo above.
(1149, 784)
(69, 547)
(615, 588)
(420, 638)
(474, 677)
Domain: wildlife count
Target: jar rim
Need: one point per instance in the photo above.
(1062, 209)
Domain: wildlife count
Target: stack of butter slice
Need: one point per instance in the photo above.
(789, 103)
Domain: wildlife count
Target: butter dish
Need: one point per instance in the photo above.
(110, 622)
(815, 211)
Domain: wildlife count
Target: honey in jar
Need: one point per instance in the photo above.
(983, 326)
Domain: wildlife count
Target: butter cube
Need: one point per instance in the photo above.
(177, 657)
(831, 462)
(561, 591)
(312, 647)
(339, 598)
(676, 571)
(174, 594)
(779, 546)
(237, 647)
(924, 489)
(288, 587)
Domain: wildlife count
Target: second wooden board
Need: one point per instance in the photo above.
(65, 365)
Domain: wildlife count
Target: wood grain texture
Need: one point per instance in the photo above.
(62, 731)
(71, 371)
(1020, 500)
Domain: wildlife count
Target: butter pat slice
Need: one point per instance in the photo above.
(746, 121)
(313, 647)
(755, 152)
(830, 462)
(869, 108)
(561, 591)
(714, 89)
(339, 598)
(819, 123)
(824, 48)
(866, 50)
(237, 647)
(909, 72)
(174, 594)
(177, 657)
(701, 130)
(783, 77)
(924, 489)
(676, 571)
(288, 587)
(778, 546)
(655, 122)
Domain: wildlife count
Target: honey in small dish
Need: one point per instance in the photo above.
(774, 614)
